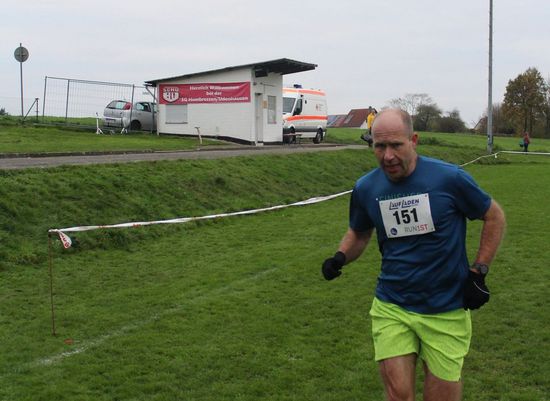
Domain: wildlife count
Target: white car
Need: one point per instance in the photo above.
(121, 114)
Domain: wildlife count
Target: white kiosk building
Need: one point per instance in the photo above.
(241, 103)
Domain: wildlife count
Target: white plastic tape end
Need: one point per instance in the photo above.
(65, 240)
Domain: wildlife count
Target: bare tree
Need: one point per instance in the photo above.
(501, 124)
(411, 101)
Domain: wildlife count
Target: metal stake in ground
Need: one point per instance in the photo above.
(199, 133)
(51, 280)
(98, 130)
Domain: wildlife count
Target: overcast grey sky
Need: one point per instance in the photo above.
(367, 52)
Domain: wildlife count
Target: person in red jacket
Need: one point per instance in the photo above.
(526, 141)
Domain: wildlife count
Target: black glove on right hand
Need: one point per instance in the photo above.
(332, 266)
(476, 293)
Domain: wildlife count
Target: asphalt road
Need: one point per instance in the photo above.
(45, 161)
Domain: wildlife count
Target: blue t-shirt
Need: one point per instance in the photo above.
(421, 228)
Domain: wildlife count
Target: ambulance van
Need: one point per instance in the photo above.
(304, 114)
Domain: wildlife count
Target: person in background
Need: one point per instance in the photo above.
(370, 120)
(367, 136)
(526, 141)
(427, 287)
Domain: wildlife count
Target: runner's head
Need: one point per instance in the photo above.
(395, 143)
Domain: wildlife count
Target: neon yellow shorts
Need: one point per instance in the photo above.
(441, 340)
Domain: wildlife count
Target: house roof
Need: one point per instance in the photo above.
(282, 66)
(336, 120)
(355, 118)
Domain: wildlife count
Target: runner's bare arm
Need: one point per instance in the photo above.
(494, 224)
(354, 243)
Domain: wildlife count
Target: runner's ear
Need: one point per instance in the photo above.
(414, 139)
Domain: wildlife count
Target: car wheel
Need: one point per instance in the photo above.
(135, 125)
(319, 137)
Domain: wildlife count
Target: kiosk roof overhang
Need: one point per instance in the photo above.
(282, 66)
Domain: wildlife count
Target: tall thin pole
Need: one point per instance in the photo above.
(490, 92)
(21, 75)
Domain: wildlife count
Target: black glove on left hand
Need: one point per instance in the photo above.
(476, 293)
(332, 266)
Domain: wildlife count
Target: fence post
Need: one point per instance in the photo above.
(131, 107)
(44, 98)
(67, 102)
(30, 108)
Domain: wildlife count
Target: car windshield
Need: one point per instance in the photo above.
(288, 104)
(145, 106)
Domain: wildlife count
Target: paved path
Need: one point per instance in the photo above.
(45, 161)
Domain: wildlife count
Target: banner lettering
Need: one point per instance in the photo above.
(227, 92)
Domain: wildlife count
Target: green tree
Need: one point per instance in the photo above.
(546, 109)
(524, 100)
(426, 115)
(451, 122)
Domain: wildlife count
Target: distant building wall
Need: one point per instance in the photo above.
(256, 121)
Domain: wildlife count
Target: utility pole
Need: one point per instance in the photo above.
(490, 93)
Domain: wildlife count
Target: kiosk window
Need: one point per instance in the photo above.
(272, 110)
(176, 114)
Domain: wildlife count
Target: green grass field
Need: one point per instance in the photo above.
(236, 308)
(475, 141)
(29, 138)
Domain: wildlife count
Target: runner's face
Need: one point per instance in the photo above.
(393, 148)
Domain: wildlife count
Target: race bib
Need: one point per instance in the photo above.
(410, 215)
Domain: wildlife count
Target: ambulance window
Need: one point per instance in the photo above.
(298, 109)
(288, 104)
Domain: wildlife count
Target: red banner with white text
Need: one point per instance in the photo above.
(226, 92)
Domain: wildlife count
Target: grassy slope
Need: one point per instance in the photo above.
(32, 201)
(236, 309)
(32, 139)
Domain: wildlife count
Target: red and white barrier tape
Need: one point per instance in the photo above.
(511, 152)
(66, 240)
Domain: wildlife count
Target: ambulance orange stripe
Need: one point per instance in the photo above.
(308, 91)
(294, 118)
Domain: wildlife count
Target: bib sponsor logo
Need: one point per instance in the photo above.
(403, 203)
